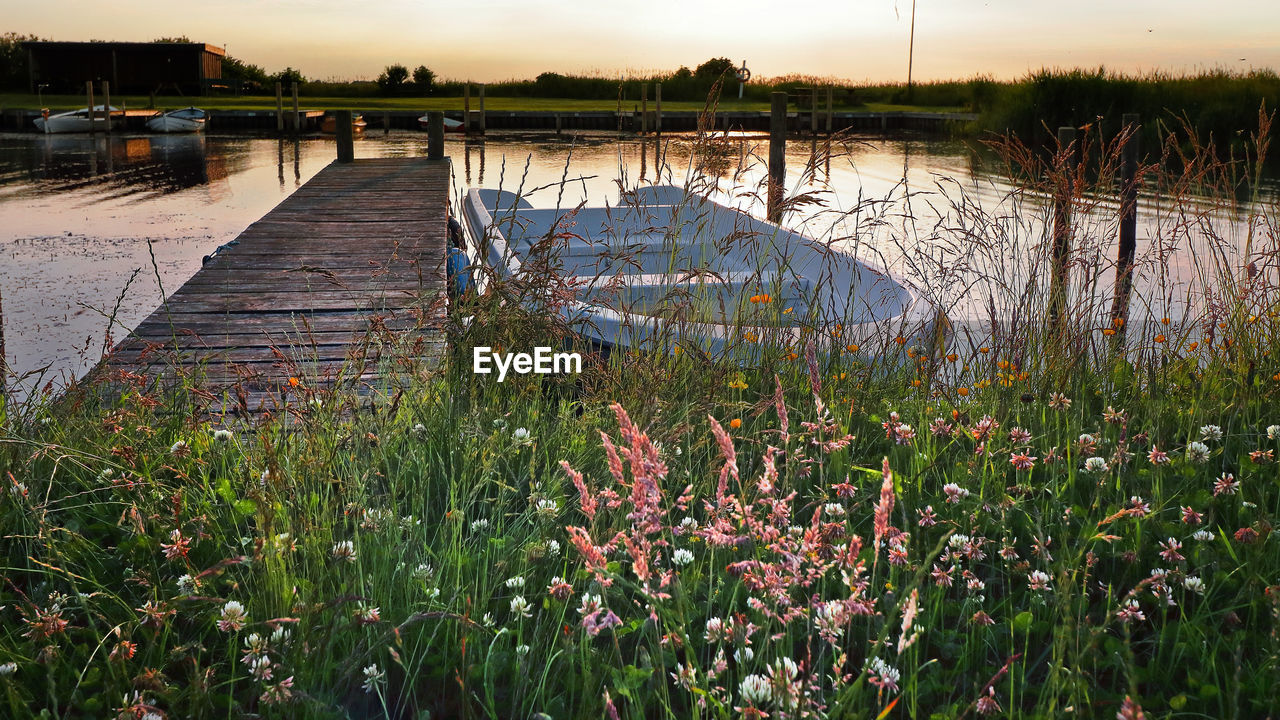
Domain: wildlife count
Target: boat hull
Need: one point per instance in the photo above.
(170, 124)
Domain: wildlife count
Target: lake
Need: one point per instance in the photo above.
(92, 229)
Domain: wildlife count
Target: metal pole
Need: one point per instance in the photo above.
(1128, 220)
(346, 142)
(1062, 227)
(777, 154)
(435, 135)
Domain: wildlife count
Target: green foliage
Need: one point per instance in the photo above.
(287, 77)
(393, 78)
(13, 61)
(424, 79)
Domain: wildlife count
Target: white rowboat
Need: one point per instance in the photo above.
(76, 121)
(186, 120)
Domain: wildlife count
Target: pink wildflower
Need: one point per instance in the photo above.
(1170, 552)
(1190, 516)
(1022, 461)
(1226, 484)
(587, 503)
(1158, 456)
(885, 505)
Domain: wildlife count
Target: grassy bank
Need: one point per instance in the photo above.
(1038, 524)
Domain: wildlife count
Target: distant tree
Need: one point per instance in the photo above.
(393, 78)
(178, 39)
(288, 76)
(684, 73)
(243, 75)
(714, 68)
(424, 79)
(13, 60)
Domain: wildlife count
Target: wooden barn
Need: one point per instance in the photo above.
(130, 67)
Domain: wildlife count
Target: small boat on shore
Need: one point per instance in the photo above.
(186, 120)
(450, 125)
(665, 268)
(330, 124)
(81, 120)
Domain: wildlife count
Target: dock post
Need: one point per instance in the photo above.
(435, 134)
(831, 108)
(1128, 221)
(279, 109)
(297, 119)
(466, 108)
(482, 108)
(1062, 226)
(619, 113)
(657, 108)
(386, 122)
(557, 123)
(644, 108)
(106, 104)
(346, 142)
(777, 154)
(813, 112)
(93, 121)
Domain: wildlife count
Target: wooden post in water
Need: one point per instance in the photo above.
(1062, 227)
(466, 108)
(557, 123)
(297, 119)
(279, 109)
(813, 111)
(482, 118)
(657, 108)
(619, 108)
(1128, 221)
(644, 108)
(88, 90)
(777, 154)
(346, 142)
(106, 104)
(435, 135)
(386, 122)
(831, 108)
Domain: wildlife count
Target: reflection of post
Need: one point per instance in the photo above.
(280, 158)
(1128, 221)
(1061, 226)
(386, 122)
(435, 135)
(466, 161)
(657, 108)
(279, 110)
(480, 177)
(777, 153)
(297, 162)
(644, 158)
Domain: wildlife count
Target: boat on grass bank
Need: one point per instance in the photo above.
(665, 269)
(450, 125)
(81, 120)
(186, 120)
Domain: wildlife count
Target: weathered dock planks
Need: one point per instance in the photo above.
(342, 282)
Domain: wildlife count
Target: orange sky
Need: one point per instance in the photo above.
(856, 40)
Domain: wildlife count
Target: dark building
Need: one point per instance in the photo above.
(130, 67)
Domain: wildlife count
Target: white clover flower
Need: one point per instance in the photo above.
(1194, 584)
(488, 620)
(1202, 535)
(756, 690)
(499, 423)
(545, 506)
(479, 525)
(234, 617)
(281, 635)
(553, 548)
(515, 583)
(520, 607)
(522, 650)
(688, 525)
(373, 677)
(152, 716)
(179, 448)
(1087, 439)
(744, 655)
(835, 509)
(1095, 465)
(1273, 432)
(521, 436)
(958, 541)
(715, 629)
(344, 550)
(424, 571)
(8, 669)
(186, 585)
(1210, 433)
(1038, 580)
(1197, 452)
(222, 435)
(419, 430)
(681, 557)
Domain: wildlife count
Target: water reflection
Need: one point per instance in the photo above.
(158, 164)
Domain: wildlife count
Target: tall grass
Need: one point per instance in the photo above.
(1035, 521)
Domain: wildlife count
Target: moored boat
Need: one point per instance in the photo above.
(186, 120)
(664, 268)
(81, 120)
(450, 125)
(330, 124)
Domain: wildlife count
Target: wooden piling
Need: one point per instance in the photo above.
(386, 122)
(557, 123)
(1128, 221)
(466, 107)
(343, 131)
(93, 121)
(657, 108)
(1058, 282)
(435, 135)
(831, 109)
(777, 154)
(297, 119)
(279, 108)
(619, 107)
(106, 104)
(482, 108)
(813, 111)
(644, 108)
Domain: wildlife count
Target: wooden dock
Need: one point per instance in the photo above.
(343, 282)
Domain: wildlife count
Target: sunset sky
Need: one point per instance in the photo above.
(488, 40)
